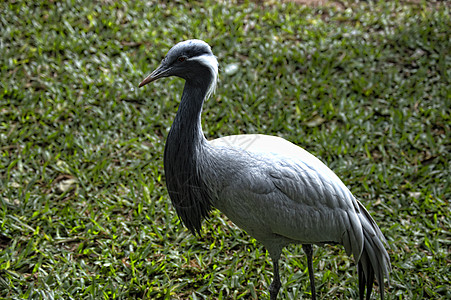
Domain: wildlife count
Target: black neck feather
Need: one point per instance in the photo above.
(183, 156)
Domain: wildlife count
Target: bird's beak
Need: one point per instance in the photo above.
(158, 73)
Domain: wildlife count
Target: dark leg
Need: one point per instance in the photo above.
(309, 252)
(275, 284)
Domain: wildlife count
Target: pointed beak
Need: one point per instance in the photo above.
(158, 73)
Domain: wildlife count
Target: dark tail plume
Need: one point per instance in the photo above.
(374, 261)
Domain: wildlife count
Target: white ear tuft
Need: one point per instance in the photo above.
(211, 63)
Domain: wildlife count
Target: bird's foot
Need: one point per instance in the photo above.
(274, 289)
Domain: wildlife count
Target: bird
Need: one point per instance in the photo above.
(274, 190)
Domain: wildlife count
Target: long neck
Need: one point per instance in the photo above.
(187, 129)
(182, 154)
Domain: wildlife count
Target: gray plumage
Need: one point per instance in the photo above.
(274, 190)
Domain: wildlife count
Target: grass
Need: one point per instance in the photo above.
(84, 210)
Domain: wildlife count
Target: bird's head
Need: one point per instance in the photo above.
(189, 60)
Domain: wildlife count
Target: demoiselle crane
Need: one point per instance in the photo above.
(276, 191)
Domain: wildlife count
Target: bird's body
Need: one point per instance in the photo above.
(290, 193)
(274, 190)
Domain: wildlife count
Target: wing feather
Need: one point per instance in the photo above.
(296, 184)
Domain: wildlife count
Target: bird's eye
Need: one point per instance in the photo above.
(181, 59)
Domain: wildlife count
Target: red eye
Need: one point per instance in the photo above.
(181, 58)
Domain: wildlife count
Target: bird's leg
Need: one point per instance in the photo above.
(309, 252)
(275, 284)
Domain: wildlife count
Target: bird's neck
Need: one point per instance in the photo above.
(183, 152)
(187, 129)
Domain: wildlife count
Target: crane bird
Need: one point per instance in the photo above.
(274, 190)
